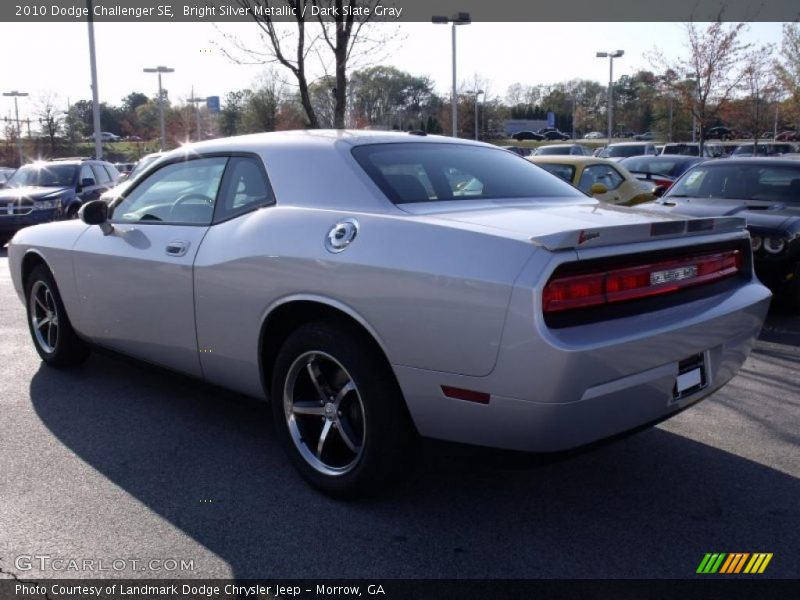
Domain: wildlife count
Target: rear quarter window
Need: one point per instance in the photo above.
(430, 172)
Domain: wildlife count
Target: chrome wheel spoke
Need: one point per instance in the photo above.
(40, 303)
(52, 335)
(318, 380)
(346, 433)
(41, 322)
(308, 408)
(346, 389)
(323, 437)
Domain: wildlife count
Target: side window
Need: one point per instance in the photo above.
(100, 175)
(86, 173)
(179, 193)
(246, 188)
(604, 174)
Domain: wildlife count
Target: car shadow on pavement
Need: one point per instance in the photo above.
(207, 461)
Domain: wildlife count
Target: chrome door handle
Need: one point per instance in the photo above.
(177, 248)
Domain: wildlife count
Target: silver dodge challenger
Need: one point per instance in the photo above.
(380, 286)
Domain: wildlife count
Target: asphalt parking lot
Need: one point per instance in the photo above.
(117, 460)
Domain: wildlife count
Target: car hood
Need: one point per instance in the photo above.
(757, 213)
(31, 191)
(561, 225)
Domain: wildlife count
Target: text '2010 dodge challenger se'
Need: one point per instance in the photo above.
(378, 286)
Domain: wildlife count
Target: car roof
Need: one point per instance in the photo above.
(314, 138)
(644, 143)
(571, 159)
(764, 161)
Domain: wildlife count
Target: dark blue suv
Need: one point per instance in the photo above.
(46, 191)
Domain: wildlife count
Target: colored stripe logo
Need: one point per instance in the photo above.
(734, 563)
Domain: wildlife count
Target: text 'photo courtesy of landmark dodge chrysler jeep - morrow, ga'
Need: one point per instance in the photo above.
(378, 286)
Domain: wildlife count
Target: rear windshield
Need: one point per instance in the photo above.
(777, 183)
(617, 151)
(421, 172)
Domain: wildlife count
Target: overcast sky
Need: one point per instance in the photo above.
(42, 58)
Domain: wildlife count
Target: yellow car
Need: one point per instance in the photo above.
(606, 180)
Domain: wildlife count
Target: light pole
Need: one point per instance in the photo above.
(15, 94)
(611, 56)
(160, 70)
(196, 102)
(98, 144)
(477, 93)
(461, 18)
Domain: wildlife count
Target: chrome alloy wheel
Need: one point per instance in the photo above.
(324, 413)
(44, 316)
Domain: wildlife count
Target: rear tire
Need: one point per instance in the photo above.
(53, 336)
(338, 411)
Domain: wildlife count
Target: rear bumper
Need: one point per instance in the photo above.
(560, 393)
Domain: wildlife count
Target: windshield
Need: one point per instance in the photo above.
(545, 150)
(658, 166)
(565, 172)
(44, 175)
(430, 172)
(741, 182)
(616, 151)
(762, 149)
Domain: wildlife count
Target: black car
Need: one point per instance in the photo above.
(46, 191)
(766, 192)
(660, 171)
(551, 133)
(528, 135)
(720, 133)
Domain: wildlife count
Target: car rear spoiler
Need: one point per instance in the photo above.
(638, 232)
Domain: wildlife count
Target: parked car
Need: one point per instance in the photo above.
(603, 179)
(594, 135)
(574, 149)
(124, 169)
(520, 150)
(528, 135)
(622, 150)
(767, 135)
(763, 149)
(720, 133)
(105, 136)
(377, 300)
(646, 136)
(710, 150)
(5, 174)
(660, 172)
(788, 136)
(47, 191)
(766, 192)
(555, 134)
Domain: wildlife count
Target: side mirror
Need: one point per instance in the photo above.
(87, 182)
(96, 213)
(597, 189)
(659, 191)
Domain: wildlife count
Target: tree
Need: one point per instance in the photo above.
(788, 69)
(332, 39)
(714, 69)
(760, 85)
(51, 117)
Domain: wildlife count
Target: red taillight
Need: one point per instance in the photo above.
(630, 283)
(664, 183)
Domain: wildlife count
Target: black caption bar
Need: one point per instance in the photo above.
(397, 589)
(401, 10)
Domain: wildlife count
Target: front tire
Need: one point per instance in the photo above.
(338, 411)
(53, 337)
